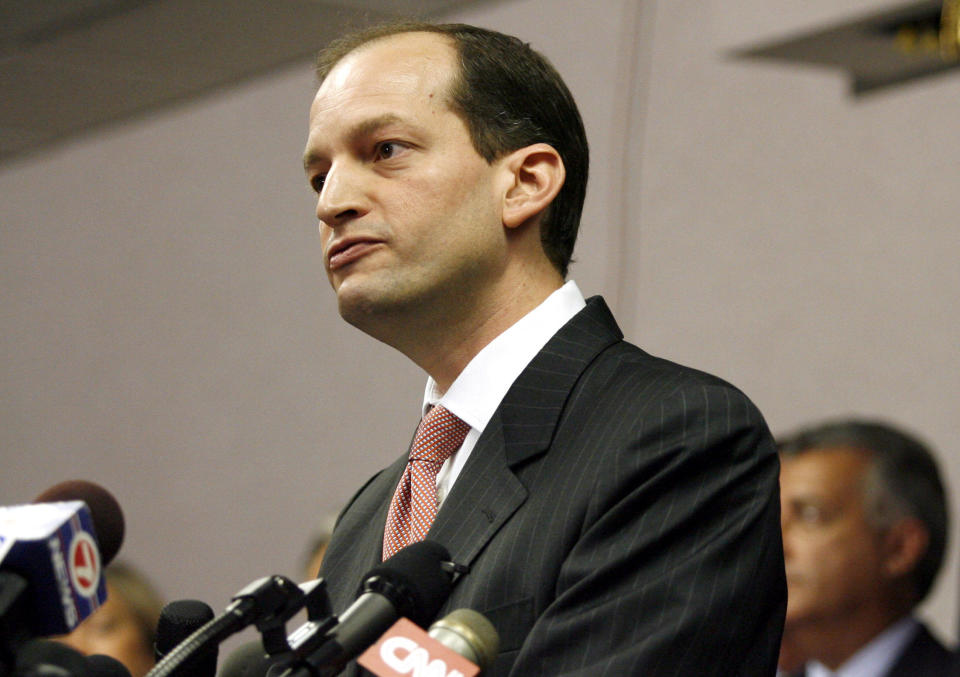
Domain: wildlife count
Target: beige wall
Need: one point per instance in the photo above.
(167, 330)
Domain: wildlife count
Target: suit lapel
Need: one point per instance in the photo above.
(483, 498)
(488, 491)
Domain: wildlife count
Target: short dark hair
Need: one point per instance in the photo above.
(903, 481)
(510, 97)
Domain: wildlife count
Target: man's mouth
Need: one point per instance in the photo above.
(346, 251)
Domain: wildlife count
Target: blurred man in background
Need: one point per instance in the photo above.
(864, 520)
(317, 548)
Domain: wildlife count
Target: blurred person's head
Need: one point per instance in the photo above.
(864, 521)
(125, 626)
(317, 548)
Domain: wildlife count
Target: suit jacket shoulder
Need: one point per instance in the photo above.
(925, 656)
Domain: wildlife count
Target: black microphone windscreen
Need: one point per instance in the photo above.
(104, 511)
(45, 657)
(178, 620)
(100, 665)
(414, 580)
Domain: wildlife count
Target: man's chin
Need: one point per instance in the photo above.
(799, 612)
(365, 309)
(355, 309)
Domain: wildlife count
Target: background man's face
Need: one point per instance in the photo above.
(833, 555)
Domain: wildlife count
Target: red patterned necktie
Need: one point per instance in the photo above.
(414, 504)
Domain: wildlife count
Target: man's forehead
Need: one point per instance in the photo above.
(403, 58)
(827, 469)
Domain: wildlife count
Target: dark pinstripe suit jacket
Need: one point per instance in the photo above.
(620, 515)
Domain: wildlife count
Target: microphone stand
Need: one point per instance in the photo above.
(268, 603)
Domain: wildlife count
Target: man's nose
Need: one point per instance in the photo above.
(341, 198)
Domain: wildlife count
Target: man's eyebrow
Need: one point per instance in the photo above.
(360, 130)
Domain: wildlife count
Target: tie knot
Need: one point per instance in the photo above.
(439, 435)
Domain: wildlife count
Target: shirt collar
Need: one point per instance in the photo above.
(877, 657)
(478, 390)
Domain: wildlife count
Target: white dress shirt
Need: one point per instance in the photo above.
(877, 657)
(481, 386)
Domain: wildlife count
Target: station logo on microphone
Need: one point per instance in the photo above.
(84, 564)
(407, 650)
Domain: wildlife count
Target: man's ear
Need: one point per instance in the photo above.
(535, 175)
(904, 543)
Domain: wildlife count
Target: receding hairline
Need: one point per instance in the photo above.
(444, 91)
(398, 31)
(830, 448)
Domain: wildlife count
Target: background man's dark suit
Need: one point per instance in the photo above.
(924, 656)
(620, 515)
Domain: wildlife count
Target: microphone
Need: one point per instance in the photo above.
(48, 658)
(100, 665)
(104, 509)
(178, 620)
(470, 634)
(269, 602)
(413, 583)
(51, 576)
(461, 644)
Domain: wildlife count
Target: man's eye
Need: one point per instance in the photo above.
(317, 182)
(814, 515)
(387, 150)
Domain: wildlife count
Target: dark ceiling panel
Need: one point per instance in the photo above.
(71, 65)
(876, 51)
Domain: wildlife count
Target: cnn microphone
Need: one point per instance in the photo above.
(470, 634)
(461, 644)
(414, 583)
(178, 620)
(52, 555)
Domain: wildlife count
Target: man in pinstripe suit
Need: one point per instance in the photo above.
(619, 513)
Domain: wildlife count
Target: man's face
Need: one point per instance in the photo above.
(409, 212)
(834, 557)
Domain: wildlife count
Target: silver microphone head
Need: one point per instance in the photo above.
(470, 634)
